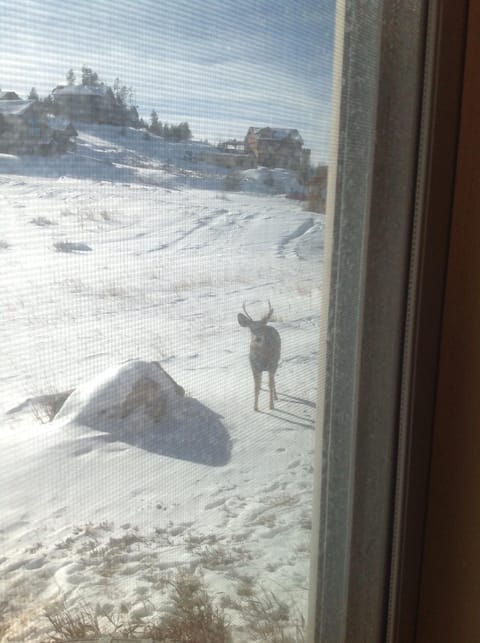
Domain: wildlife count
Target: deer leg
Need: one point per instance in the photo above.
(274, 387)
(271, 386)
(257, 378)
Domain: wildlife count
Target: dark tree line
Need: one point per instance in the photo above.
(89, 77)
(46, 105)
(180, 132)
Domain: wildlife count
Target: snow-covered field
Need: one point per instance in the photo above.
(130, 249)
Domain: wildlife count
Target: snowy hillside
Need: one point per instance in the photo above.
(130, 249)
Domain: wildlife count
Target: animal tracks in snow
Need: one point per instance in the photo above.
(116, 558)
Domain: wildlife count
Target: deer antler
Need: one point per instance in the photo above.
(266, 317)
(245, 311)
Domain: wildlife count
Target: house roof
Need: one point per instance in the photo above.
(9, 95)
(15, 107)
(276, 133)
(82, 90)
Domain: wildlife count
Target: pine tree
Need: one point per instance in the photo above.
(122, 93)
(33, 95)
(185, 132)
(47, 105)
(155, 124)
(70, 77)
(89, 77)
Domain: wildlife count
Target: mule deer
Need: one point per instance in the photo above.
(264, 351)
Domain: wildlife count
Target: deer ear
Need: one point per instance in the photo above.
(242, 320)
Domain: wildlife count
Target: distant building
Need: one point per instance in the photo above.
(5, 95)
(92, 104)
(277, 147)
(233, 146)
(20, 127)
(24, 129)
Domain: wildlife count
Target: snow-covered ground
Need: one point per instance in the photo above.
(130, 249)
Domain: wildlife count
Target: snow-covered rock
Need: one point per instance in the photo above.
(134, 391)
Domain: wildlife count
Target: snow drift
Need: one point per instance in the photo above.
(137, 393)
(139, 403)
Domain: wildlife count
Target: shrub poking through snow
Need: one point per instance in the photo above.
(269, 619)
(44, 407)
(192, 618)
(52, 403)
(68, 625)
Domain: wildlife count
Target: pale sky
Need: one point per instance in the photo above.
(223, 65)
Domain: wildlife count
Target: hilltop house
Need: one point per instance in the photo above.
(24, 129)
(92, 104)
(21, 127)
(277, 147)
(5, 95)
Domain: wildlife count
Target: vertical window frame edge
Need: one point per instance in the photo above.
(361, 416)
(444, 59)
